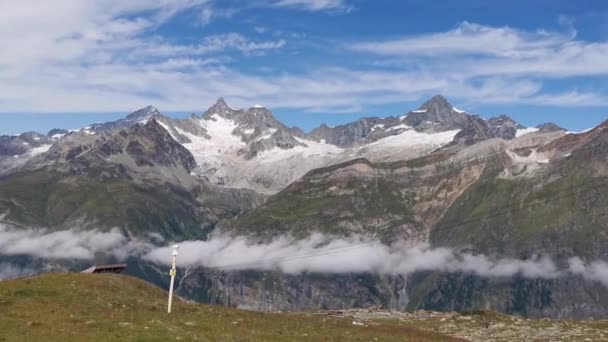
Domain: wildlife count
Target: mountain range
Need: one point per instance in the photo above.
(436, 175)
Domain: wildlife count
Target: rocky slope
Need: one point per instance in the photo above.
(137, 179)
(539, 194)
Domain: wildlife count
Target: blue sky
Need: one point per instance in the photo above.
(68, 63)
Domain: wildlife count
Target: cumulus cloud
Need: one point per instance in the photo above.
(324, 254)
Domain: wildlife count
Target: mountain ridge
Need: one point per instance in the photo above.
(242, 173)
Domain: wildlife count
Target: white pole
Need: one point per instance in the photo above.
(172, 273)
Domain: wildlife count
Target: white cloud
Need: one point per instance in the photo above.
(236, 41)
(208, 13)
(475, 50)
(66, 244)
(314, 5)
(468, 38)
(326, 254)
(318, 253)
(106, 55)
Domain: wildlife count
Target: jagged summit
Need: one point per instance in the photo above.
(144, 113)
(549, 127)
(436, 104)
(437, 114)
(220, 108)
(504, 118)
(504, 127)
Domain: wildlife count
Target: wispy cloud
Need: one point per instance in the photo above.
(359, 254)
(317, 253)
(314, 5)
(108, 55)
(476, 50)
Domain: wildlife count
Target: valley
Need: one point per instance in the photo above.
(433, 179)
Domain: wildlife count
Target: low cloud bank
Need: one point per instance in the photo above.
(318, 253)
(66, 244)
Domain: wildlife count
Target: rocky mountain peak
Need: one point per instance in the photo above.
(436, 104)
(549, 127)
(503, 127)
(149, 145)
(246, 119)
(220, 108)
(140, 116)
(504, 119)
(143, 114)
(437, 114)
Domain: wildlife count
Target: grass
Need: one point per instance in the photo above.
(85, 307)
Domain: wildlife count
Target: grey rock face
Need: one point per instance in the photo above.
(475, 130)
(549, 127)
(273, 291)
(157, 147)
(503, 127)
(359, 132)
(147, 144)
(12, 145)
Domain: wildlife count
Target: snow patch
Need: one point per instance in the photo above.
(87, 131)
(579, 132)
(524, 131)
(221, 141)
(534, 157)
(266, 134)
(39, 149)
(57, 136)
(458, 110)
(413, 138)
(402, 126)
(419, 111)
(311, 149)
